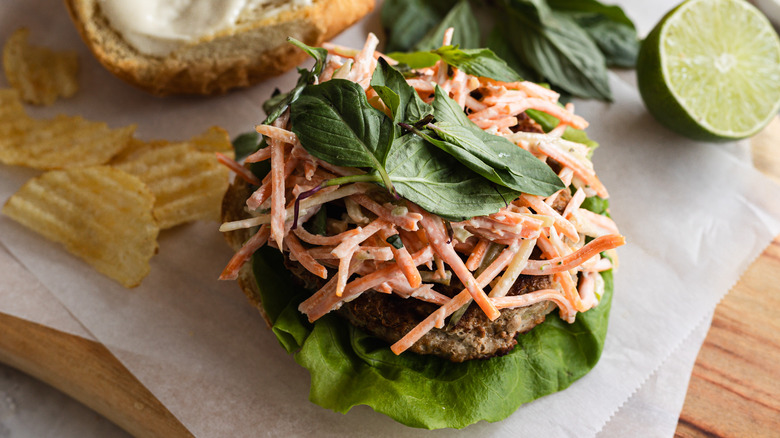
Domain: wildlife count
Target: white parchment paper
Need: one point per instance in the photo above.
(694, 216)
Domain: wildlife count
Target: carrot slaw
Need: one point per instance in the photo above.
(397, 247)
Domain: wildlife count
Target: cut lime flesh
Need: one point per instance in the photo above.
(719, 61)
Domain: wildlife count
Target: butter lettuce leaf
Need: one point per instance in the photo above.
(349, 367)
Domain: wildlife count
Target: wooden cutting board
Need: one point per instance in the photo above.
(734, 389)
(735, 385)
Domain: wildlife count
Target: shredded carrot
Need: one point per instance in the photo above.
(277, 133)
(404, 260)
(323, 302)
(261, 155)
(352, 241)
(574, 203)
(245, 253)
(454, 304)
(570, 261)
(305, 259)
(240, 170)
(580, 170)
(477, 255)
(564, 226)
(536, 297)
(438, 239)
(407, 221)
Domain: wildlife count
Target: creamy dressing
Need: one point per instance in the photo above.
(158, 27)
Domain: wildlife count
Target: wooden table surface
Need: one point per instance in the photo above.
(735, 385)
(734, 389)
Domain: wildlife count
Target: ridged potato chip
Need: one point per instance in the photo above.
(101, 214)
(185, 177)
(58, 143)
(215, 139)
(39, 74)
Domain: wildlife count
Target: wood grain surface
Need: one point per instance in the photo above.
(88, 372)
(734, 389)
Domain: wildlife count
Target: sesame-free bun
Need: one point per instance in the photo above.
(255, 49)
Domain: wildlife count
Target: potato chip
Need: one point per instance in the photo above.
(39, 74)
(101, 214)
(215, 139)
(188, 183)
(55, 144)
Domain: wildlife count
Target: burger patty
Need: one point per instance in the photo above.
(390, 317)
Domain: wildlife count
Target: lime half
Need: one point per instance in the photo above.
(710, 70)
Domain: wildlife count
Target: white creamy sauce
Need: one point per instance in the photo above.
(158, 27)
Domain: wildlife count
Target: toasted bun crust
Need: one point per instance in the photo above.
(233, 209)
(258, 50)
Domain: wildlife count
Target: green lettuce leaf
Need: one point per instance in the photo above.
(349, 367)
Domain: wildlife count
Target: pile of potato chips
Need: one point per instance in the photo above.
(105, 195)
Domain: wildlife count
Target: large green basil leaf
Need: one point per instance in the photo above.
(556, 47)
(478, 62)
(350, 368)
(438, 183)
(402, 99)
(334, 122)
(407, 21)
(466, 29)
(497, 42)
(608, 26)
(515, 167)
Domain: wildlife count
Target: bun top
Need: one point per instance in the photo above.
(227, 52)
(159, 27)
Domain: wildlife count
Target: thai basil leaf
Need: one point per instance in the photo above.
(613, 32)
(434, 180)
(500, 46)
(246, 144)
(398, 95)
(557, 48)
(466, 29)
(517, 168)
(501, 162)
(407, 21)
(335, 123)
(478, 62)
(307, 77)
(612, 13)
(618, 43)
(415, 59)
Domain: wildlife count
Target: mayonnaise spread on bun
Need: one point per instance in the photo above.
(159, 27)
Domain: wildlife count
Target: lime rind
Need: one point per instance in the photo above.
(711, 70)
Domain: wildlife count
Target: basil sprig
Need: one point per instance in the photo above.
(451, 168)
(567, 43)
(280, 102)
